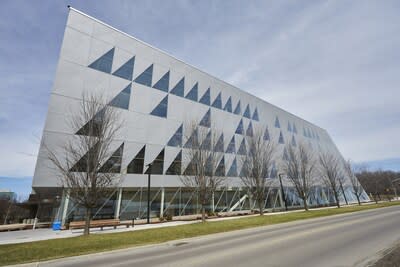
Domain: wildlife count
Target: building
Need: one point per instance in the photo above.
(6, 194)
(157, 94)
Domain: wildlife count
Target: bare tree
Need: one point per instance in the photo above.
(355, 184)
(204, 172)
(329, 168)
(256, 167)
(87, 166)
(300, 169)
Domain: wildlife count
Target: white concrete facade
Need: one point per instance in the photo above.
(86, 40)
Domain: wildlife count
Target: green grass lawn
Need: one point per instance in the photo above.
(58, 248)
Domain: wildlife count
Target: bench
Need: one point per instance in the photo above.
(100, 224)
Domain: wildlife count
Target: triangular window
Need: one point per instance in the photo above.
(205, 99)
(113, 164)
(249, 131)
(247, 112)
(179, 88)
(228, 105)
(157, 166)
(175, 167)
(242, 149)
(163, 83)
(238, 109)
(294, 128)
(285, 154)
(281, 141)
(289, 127)
(192, 95)
(126, 70)
(193, 140)
(266, 134)
(122, 99)
(191, 167)
(206, 145)
(94, 126)
(274, 173)
(219, 146)
(277, 124)
(137, 164)
(233, 169)
(231, 146)
(217, 102)
(146, 77)
(294, 143)
(239, 129)
(220, 171)
(176, 139)
(255, 115)
(104, 63)
(161, 109)
(88, 158)
(206, 120)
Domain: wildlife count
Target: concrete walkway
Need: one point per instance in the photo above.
(24, 236)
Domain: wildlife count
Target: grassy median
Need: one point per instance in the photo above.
(58, 248)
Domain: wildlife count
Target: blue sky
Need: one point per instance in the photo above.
(334, 63)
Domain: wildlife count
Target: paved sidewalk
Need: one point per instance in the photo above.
(24, 236)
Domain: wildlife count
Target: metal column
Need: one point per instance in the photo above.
(162, 202)
(118, 208)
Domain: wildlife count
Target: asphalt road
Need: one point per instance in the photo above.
(342, 240)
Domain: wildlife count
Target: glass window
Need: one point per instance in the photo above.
(175, 167)
(266, 134)
(231, 146)
(249, 131)
(255, 115)
(220, 171)
(126, 70)
(294, 128)
(176, 139)
(238, 109)
(247, 112)
(163, 83)
(289, 127)
(285, 154)
(104, 63)
(206, 145)
(219, 146)
(94, 126)
(217, 102)
(239, 129)
(193, 140)
(161, 109)
(206, 120)
(146, 77)
(233, 169)
(228, 105)
(122, 99)
(113, 164)
(179, 88)
(277, 124)
(281, 141)
(192, 95)
(242, 149)
(294, 143)
(137, 164)
(205, 99)
(157, 165)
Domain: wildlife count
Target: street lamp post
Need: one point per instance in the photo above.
(283, 192)
(148, 192)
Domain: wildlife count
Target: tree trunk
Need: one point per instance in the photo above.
(261, 206)
(337, 199)
(87, 221)
(358, 199)
(305, 204)
(203, 213)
